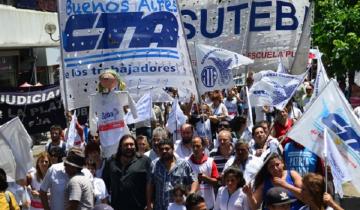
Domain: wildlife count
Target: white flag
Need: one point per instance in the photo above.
(72, 132)
(274, 89)
(144, 110)
(320, 81)
(331, 110)
(214, 67)
(176, 117)
(281, 68)
(14, 134)
(337, 164)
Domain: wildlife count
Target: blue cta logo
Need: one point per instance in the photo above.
(157, 27)
(340, 127)
(209, 76)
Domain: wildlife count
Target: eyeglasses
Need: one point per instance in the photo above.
(44, 161)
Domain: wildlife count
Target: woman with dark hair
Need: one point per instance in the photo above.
(7, 199)
(35, 179)
(272, 174)
(314, 195)
(231, 196)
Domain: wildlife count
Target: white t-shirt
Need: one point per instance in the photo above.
(235, 201)
(181, 150)
(175, 206)
(219, 110)
(56, 180)
(100, 191)
(252, 165)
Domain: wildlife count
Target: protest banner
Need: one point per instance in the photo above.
(144, 42)
(274, 89)
(214, 67)
(38, 110)
(331, 110)
(260, 30)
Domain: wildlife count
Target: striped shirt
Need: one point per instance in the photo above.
(219, 159)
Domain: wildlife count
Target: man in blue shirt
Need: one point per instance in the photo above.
(167, 172)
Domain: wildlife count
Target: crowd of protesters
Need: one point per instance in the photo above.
(211, 162)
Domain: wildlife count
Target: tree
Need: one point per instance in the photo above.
(336, 32)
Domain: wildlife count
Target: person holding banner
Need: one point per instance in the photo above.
(314, 195)
(273, 173)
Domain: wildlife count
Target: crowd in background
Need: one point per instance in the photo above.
(214, 161)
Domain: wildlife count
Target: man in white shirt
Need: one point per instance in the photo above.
(247, 163)
(56, 180)
(183, 148)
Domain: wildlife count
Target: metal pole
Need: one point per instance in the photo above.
(62, 66)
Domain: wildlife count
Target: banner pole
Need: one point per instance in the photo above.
(62, 66)
(188, 50)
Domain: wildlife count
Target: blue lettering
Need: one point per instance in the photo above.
(280, 15)
(116, 25)
(339, 126)
(204, 21)
(110, 5)
(153, 8)
(254, 16)
(125, 6)
(114, 31)
(98, 5)
(160, 3)
(145, 32)
(144, 3)
(237, 15)
(76, 22)
(85, 8)
(191, 28)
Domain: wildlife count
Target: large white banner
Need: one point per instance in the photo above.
(332, 111)
(214, 67)
(142, 40)
(261, 30)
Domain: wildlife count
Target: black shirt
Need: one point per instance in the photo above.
(127, 186)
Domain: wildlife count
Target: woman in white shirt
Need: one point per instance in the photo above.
(35, 178)
(231, 196)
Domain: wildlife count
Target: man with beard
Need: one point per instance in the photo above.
(183, 148)
(126, 175)
(167, 172)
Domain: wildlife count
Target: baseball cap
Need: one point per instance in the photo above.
(278, 196)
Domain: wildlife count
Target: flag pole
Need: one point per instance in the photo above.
(325, 157)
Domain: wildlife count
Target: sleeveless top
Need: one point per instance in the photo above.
(268, 184)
